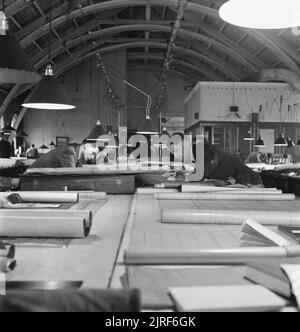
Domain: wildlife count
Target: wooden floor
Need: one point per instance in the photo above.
(89, 260)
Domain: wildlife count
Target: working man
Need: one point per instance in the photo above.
(5, 147)
(218, 165)
(32, 152)
(69, 156)
(221, 165)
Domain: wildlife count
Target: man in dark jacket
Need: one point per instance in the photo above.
(69, 156)
(221, 165)
(5, 147)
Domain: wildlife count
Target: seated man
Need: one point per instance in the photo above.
(221, 165)
(32, 152)
(218, 165)
(69, 156)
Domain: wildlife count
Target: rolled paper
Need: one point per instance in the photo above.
(85, 196)
(152, 191)
(45, 223)
(7, 264)
(206, 256)
(230, 217)
(199, 188)
(45, 196)
(224, 197)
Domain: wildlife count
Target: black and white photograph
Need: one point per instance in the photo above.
(150, 159)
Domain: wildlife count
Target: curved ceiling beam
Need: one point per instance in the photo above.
(280, 75)
(273, 47)
(160, 57)
(35, 31)
(14, 7)
(183, 34)
(189, 77)
(191, 7)
(104, 6)
(67, 65)
(91, 50)
(177, 50)
(210, 31)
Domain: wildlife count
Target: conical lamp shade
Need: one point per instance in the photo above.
(52, 145)
(249, 137)
(15, 67)
(261, 14)
(148, 128)
(165, 132)
(96, 133)
(290, 143)
(49, 95)
(22, 134)
(260, 143)
(8, 129)
(281, 141)
(44, 147)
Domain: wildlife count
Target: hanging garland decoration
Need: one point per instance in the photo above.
(161, 100)
(111, 96)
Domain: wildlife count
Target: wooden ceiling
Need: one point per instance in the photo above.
(206, 48)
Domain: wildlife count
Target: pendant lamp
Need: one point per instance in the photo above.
(165, 131)
(44, 147)
(22, 134)
(249, 136)
(52, 145)
(260, 143)
(96, 133)
(148, 127)
(262, 14)
(15, 67)
(281, 141)
(8, 129)
(49, 93)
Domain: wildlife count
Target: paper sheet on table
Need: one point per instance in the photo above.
(293, 273)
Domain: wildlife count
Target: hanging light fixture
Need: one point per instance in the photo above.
(281, 141)
(44, 147)
(262, 14)
(147, 127)
(52, 145)
(249, 137)
(260, 143)
(22, 134)
(8, 129)
(96, 133)
(15, 67)
(49, 93)
(165, 131)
